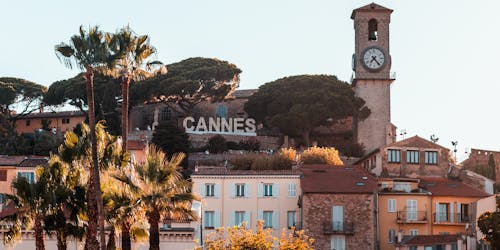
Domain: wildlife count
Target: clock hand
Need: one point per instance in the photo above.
(374, 58)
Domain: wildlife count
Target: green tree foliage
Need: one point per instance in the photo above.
(217, 144)
(14, 91)
(489, 224)
(72, 91)
(170, 138)
(298, 104)
(161, 190)
(188, 83)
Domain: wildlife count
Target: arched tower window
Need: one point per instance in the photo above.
(372, 30)
(221, 111)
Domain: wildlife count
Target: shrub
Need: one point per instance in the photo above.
(289, 153)
(217, 144)
(170, 138)
(321, 155)
(250, 144)
(280, 162)
(232, 145)
(352, 150)
(243, 162)
(261, 163)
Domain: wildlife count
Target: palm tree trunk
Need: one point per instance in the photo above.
(39, 240)
(61, 243)
(94, 195)
(111, 239)
(154, 232)
(126, 243)
(125, 87)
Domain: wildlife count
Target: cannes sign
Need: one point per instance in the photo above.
(219, 125)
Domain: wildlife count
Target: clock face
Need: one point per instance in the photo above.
(373, 58)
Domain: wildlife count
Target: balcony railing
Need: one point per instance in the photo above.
(451, 218)
(412, 217)
(338, 227)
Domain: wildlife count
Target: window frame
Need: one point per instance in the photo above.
(268, 222)
(65, 120)
(240, 190)
(412, 156)
(239, 215)
(293, 215)
(209, 219)
(292, 190)
(268, 190)
(394, 210)
(209, 189)
(391, 235)
(393, 153)
(431, 157)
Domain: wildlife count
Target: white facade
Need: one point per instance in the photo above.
(229, 199)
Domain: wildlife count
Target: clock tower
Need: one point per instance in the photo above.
(372, 78)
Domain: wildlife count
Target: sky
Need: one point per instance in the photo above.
(445, 53)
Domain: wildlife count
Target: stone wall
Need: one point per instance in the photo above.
(359, 209)
(480, 157)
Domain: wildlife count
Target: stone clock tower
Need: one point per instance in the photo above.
(372, 77)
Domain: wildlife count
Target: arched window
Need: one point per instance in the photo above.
(166, 114)
(221, 111)
(372, 30)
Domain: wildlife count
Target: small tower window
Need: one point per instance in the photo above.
(372, 30)
(221, 111)
(166, 114)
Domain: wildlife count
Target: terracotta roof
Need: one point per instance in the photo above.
(416, 141)
(445, 187)
(53, 114)
(135, 145)
(8, 210)
(418, 240)
(33, 162)
(243, 93)
(225, 171)
(336, 179)
(6, 160)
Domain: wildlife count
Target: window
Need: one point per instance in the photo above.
(431, 157)
(463, 212)
(30, 176)
(412, 156)
(442, 212)
(372, 30)
(391, 206)
(393, 155)
(268, 219)
(268, 190)
(291, 219)
(3, 175)
(209, 190)
(2, 198)
(413, 248)
(411, 210)
(239, 217)
(166, 114)
(413, 232)
(384, 185)
(209, 219)
(221, 111)
(338, 218)
(392, 236)
(402, 186)
(337, 242)
(65, 120)
(292, 190)
(240, 190)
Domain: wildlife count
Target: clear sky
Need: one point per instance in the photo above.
(445, 53)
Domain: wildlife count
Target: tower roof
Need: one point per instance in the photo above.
(373, 7)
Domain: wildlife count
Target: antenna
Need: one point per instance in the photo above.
(403, 133)
(434, 138)
(454, 143)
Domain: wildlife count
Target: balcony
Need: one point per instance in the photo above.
(338, 227)
(405, 217)
(451, 218)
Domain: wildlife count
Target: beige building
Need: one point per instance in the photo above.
(230, 197)
(60, 122)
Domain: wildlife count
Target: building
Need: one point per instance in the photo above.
(372, 77)
(480, 158)
(339, 206)
(60, 122)
(230, 197)
(13, 166)
(412, 157)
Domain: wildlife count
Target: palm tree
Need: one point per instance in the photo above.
(66, 198)
(29, 207)
(89, 51)
(162, 191)
(131, 54)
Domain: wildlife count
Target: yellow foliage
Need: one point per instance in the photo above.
(241, 238)
(321, 155)
(289, 153)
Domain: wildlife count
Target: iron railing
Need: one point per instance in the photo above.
(411, 216)
(338, 227)
(451, 218)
